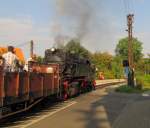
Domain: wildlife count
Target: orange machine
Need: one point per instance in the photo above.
(101, 76)
(17, 51)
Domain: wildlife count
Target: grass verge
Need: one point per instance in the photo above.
(143, 81)
(142, 85)
(127, 89)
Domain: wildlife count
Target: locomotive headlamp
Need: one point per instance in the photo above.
(53, 49)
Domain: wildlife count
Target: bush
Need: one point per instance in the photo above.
(143, 81)
(128, 89)
(109, 75)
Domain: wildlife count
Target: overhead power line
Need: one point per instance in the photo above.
(125, 6)
(22, 44)
(128, 6)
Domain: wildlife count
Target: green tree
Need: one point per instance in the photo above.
(148, 57)
(74, 46)
(39, 59)
(102, 60)
(110, 65)
(122, 49)
(117, 67)
(103, 63)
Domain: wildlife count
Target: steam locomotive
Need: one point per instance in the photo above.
(61, 75)
(76, 73)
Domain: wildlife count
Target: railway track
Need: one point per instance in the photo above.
(105, 83)
(19, 120)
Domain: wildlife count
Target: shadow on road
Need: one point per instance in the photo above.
(104, 111)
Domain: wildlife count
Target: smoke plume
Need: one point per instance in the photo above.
(78, 13)
(89, 21)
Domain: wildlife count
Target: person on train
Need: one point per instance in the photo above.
(10, 60)
(30, 61)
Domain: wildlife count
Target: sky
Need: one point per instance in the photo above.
(99, 24)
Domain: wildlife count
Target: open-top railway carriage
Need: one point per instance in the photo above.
(61, 75)
(19, 91)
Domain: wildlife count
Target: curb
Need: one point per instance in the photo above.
(99, 86)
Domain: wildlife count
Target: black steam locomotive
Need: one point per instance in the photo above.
(76, 71)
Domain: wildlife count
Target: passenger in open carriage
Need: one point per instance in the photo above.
(29, 63)
(10, 60)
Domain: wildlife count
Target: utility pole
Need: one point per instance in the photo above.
(130, 49)
(130, 44)
(31, 48)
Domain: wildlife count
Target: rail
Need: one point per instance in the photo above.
(104, 83)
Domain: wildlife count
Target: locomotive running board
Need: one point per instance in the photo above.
(23, 110)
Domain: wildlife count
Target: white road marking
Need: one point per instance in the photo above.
(48, 115)
(145, 95)
(19, 126)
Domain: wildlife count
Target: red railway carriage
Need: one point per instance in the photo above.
(24, 88)
(48, 84)
(23, 85)
(11, 88)
(35, 85)
(44, 80)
